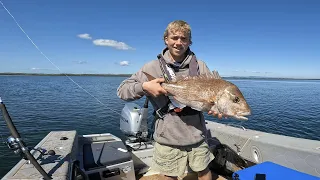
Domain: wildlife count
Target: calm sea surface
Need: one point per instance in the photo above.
(40, 104)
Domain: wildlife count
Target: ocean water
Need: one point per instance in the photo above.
(40, 104)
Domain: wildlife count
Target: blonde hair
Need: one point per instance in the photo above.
(178, 25)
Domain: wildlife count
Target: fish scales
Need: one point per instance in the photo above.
(196, 88)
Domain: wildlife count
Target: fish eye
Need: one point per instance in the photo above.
(236, 100)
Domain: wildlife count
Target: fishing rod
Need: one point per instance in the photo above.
(16, 143)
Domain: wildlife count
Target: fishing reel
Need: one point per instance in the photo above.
(14, 145)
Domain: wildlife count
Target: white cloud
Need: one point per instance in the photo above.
(247, 71)
(81, 62)
(124, 63)
(85, 36)
(262, 72)
(112, 43)
(35, 68)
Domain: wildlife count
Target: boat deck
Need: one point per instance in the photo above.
(189, 176)
(64, 143)
(299, 154)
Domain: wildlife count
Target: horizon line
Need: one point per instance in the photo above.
(126, 75)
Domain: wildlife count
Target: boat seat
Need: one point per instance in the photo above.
(104, 154)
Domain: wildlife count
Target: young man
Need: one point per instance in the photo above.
(179, 136)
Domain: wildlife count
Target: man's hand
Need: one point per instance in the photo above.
(153, 87)
(219, 115)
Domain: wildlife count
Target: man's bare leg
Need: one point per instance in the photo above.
(205, 174)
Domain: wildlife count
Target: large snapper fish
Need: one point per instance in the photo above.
(206, 93)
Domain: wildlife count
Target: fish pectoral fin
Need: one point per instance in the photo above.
(198, 104)
(205, 101)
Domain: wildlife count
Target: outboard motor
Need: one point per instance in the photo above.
(134, 121)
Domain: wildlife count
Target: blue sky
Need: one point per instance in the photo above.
(237, 38)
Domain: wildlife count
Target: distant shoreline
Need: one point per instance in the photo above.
(68, 74)
(128, 75)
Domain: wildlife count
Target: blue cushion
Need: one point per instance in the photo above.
(273, 172)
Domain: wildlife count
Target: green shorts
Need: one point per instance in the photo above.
(172, 161)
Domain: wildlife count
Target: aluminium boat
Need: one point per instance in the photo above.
(67, 155)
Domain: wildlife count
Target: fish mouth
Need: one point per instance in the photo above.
(241, 115)
(244, 113)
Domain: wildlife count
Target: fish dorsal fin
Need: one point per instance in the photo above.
(205, 76)
(214, 75)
